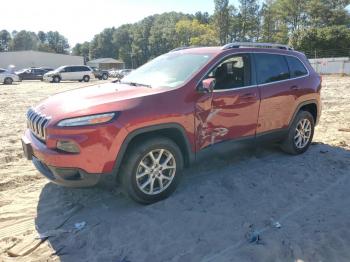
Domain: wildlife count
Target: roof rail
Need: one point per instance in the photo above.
(260, 45)
(182, 48)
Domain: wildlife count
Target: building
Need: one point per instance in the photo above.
(26, 59)
(106, 63)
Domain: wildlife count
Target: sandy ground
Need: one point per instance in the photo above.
(218, 208)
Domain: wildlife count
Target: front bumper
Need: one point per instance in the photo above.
(47, 78)
(72, 170)
(70, 177)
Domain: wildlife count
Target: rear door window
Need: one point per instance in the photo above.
(83, 68)
(271, 68)
(296, 67)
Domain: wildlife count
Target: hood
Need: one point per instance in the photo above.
(51, 72)
(94, 99)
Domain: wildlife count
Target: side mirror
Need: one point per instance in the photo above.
(207, 85)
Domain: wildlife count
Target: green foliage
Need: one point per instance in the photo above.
(336, 37)
(249, 20)
(5, 39)
(193, 33)
(309, 24)
(82, 50)
(25, 40)
(221, 19)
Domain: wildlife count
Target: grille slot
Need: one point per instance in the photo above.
(37, 123)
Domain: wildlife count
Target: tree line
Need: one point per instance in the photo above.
(304, 24)
(50, 41)
(307, 25)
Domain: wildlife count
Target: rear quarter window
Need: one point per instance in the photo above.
(296, 67)
(271, 68)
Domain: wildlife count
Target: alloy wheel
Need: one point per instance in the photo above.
(302, 133)
(155, 171)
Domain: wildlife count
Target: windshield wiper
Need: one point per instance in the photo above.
(136, 84)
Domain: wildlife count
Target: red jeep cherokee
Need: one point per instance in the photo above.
(165, 114)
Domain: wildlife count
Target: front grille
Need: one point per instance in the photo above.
(37, 123)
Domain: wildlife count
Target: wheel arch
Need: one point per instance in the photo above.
(310, 106)
(173, 131)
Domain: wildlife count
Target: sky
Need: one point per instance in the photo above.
(80, 20)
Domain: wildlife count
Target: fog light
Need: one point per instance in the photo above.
(67, 146)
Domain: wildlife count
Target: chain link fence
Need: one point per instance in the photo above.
(330, 61)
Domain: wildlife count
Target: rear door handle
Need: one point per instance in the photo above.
(295, 87)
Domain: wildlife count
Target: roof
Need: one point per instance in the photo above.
(38, 52)
(216, 50)
(106, 61)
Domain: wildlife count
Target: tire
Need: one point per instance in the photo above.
(56, 79)
(86, 78)
(104, 77)
(297, 142)
(156, 175)
(8, 81)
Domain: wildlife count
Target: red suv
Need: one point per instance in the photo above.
(169, 112)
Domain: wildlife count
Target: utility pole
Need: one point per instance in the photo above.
(132, 61)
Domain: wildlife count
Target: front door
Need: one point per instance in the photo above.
(234, 103)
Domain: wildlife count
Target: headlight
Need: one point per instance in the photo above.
(87, 120)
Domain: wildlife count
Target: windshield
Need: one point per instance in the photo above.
(59, 69)
(169, 70)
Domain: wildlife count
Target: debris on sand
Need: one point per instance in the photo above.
(79, 226)
(276, 224)
(344, 129)
(254, 237)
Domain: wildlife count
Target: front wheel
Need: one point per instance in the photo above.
(152, 170)
(8, 81)
(104, 76)
(56, 79)
(300, 134)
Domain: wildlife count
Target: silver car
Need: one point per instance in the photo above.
(7, 77)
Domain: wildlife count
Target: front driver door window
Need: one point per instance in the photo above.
(235, 102)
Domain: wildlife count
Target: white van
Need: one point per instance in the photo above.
(72, 73)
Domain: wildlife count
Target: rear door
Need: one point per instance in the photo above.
(37, 74)
(276, 90)
(234, 106)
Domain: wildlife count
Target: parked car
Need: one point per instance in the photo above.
(7, 78)
(122, 73)
(112, 73)
(31, 74)
(47, 69)
(173, 110)
(100, 74)
(79, 73)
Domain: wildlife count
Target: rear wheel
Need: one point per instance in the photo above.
(300, 134)
(152, 170)
(104, 76)
(8, 81)
(86, 78)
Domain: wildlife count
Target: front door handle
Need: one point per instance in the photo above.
(295, 87)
